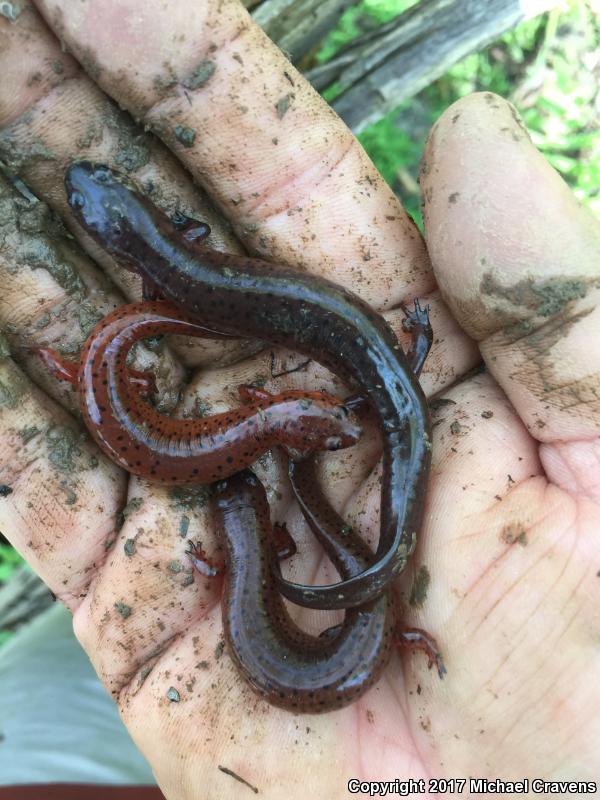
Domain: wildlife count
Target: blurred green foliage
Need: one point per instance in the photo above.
(9, 560)
(546, 66)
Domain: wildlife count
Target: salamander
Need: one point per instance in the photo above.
(113, 402)
(322, 519)
(287, 666)
(316, 317)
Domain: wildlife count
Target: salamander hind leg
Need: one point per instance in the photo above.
(254, 394)
(192, 229)
(418, 639)
(206, 566)
(418, 325)
(284, 542)
(144, 382)
(57, 365)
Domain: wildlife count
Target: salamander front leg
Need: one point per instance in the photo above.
(67, 370)
(418, 325)
(206, 566)
(60, 367)
(285, 547)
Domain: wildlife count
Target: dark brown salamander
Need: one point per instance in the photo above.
(249, 297)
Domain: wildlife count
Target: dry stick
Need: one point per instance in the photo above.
(384, 67)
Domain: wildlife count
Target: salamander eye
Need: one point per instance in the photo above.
(76, 200)
(102, 174)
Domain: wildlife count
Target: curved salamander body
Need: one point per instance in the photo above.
(249, 297)
(283, 663)
(182, 451)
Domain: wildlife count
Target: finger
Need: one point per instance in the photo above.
(61, 510)
(53, 297)
(52, 113)
(60, 121)
(146, 594)
(517, 260)
(282, 166)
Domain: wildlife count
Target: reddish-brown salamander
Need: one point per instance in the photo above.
(180, 451)
(248, 297)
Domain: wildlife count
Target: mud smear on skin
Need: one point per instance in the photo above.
(544, 298)
(538, 315)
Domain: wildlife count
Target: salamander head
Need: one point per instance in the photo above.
(319, 423)
(108, 207)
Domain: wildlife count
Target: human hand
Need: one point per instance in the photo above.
(513, 578)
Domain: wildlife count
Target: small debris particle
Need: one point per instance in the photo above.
(129, 547)
(28, 433)
(174, 566)
(453, 197)
(283, 104)
(185, 135)
(5, 490)
(63, 448)
(514, 535)
(418, 593)
(440, 402)
(202, 665)
(124, 610)
(133, 505)
(201, 73)
(455, 427)
(9, 10)
(237, 778)
(184, 525)
(173, 695)
(219, 649)
(487, 414)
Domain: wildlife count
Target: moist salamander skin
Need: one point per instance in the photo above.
(249, 297)
(287, 666)
(187, 451)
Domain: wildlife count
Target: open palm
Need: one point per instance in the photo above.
(506, 573)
